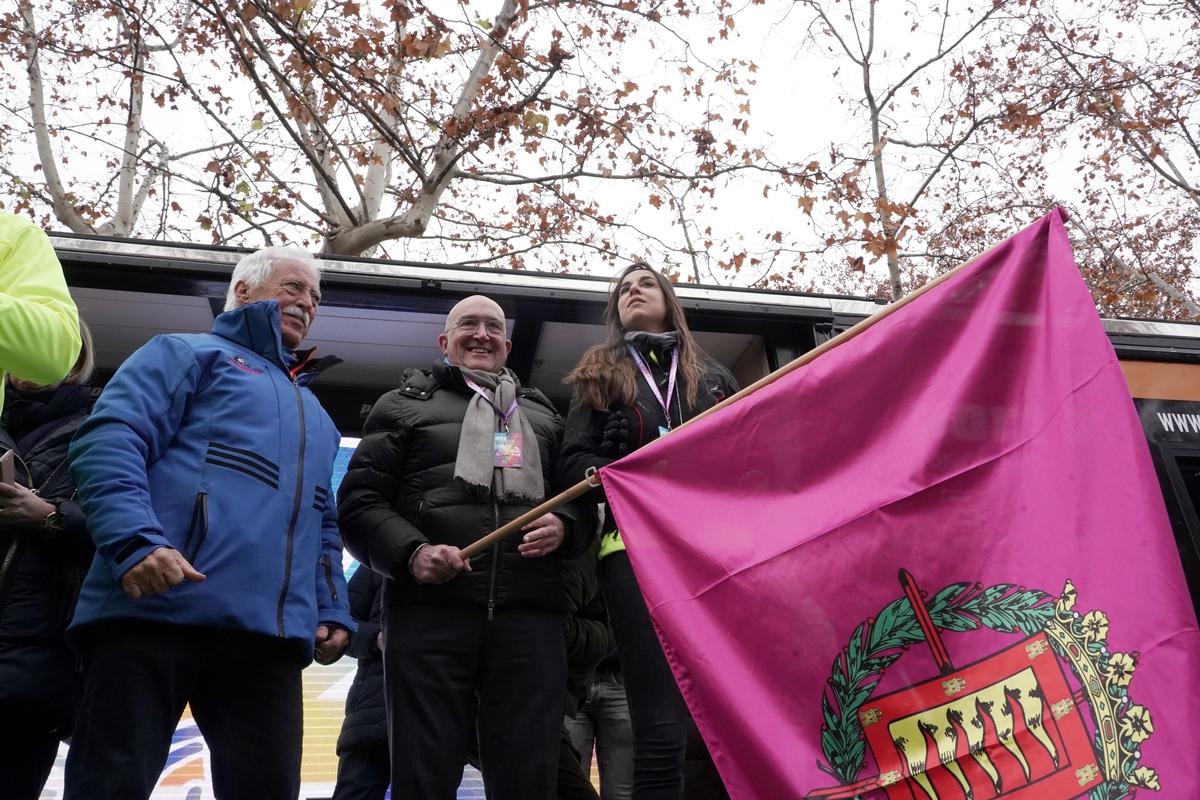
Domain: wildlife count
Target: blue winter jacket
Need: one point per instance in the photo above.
(205, 443)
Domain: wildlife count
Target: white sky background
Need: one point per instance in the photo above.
(792, 107)
(794, 115)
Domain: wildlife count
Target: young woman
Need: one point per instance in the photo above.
(646, 379)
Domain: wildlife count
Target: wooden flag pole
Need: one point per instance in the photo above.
(590, 482)
(593, 479)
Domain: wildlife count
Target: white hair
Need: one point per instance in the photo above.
(256, 269)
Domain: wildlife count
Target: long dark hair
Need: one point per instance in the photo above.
(606, 376)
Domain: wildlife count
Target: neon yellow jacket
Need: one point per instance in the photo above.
(39, 324)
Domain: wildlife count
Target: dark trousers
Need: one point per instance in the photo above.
(573, 780)
(656, 709)
(28, 747)
(438, 660)
(244, 690)
(363, 773)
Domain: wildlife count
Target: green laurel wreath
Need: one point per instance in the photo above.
(1006, 608)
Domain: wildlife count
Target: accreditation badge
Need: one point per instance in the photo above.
(507, 450)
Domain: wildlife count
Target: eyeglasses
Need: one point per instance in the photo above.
(468, 325)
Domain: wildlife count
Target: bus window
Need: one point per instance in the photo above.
(1179, 474)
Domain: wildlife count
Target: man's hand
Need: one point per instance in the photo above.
(157, 572)
(542, 536)
(438, 563)
(330, 643)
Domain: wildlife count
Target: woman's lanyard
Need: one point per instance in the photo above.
(671, 374)
(503, 415)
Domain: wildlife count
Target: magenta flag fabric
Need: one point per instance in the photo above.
(933, 563)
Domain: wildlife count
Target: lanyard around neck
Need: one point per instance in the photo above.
(671, 375)
(503, 415)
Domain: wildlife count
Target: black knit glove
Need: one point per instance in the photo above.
(618, 436)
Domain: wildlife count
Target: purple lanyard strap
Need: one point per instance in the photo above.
(671, 374)
(503, 415)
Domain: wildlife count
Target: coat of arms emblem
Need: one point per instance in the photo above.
(1048, 717)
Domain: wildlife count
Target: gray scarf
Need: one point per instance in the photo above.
(476, 445)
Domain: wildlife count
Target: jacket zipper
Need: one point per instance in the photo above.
(199, 518)
(6, 567)
(326, 562)
(291, 531)
(491, 604)
(203, 527)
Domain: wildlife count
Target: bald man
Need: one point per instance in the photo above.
(457, 451)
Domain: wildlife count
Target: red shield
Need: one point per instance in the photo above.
(1006, 726)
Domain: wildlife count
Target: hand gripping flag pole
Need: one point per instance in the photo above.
(590, 482)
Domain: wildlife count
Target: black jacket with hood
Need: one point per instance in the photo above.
(584, 438)
(41, 570)
(399, 492)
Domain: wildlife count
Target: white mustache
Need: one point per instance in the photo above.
(297, 312)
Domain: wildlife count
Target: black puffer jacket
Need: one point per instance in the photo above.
(585, 427)
(366, 715)
(41, 571)
(399, 492)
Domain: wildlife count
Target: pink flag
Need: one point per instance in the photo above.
(933, 563)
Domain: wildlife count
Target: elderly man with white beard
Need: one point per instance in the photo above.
(205, 475)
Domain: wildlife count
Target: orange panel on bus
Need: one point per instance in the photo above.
(1160, 381)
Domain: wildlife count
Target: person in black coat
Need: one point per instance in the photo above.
(647, 378)
(362, 746)
(45, 551)
(456, 452)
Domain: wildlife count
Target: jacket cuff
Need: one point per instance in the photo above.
(581, 521)
(389, 549)
(337, 618)
(413, 557)
(362, 643)
(133, 553)
(570, 543)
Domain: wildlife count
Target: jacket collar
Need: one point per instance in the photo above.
(255, 326)
(451, 377)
